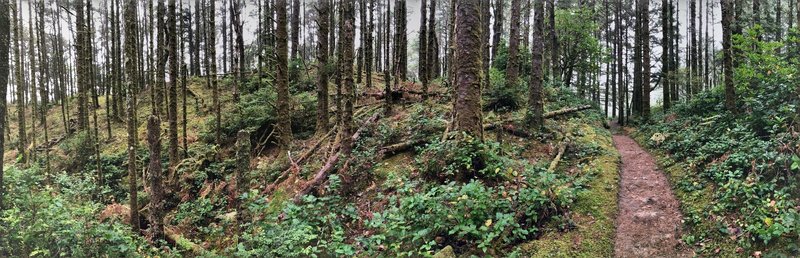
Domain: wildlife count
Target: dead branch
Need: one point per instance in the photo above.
(332, 160)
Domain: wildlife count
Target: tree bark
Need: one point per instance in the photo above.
(535, 103)
(346, 40)
(512, 67)
(644, 9)
(172, 109)
(467, 107)
(323, 11)
(283, 128)
(727, 62)
(423, 48)
(4, 49)
(154, 180)
(498, 26)
(131, 35)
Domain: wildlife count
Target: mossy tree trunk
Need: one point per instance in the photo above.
(283, 128)
(323, 11)
(4, 49)
(467, 107)
(154, 179)
(346, 40)
(131, 66)
(512, 67)
(535, 103)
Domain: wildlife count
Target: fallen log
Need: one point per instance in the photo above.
(302, 157)
(561, 149)
(566, 111)
(492, 126)
(332, 160)
(402, 146)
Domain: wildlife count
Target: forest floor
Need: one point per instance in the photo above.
(649, 219)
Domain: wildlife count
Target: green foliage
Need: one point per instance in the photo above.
(314, 228)
(745, 158)
(463, 159)
(59, 221)
(469, 216)
(499, 97)
(80, 149)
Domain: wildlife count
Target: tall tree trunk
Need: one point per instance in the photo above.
(535, 103)
(4, 47)
(433, 46)
(498, 26)
(22, 141)
(347, 38)
(172, 109)
(645, 41)
(131, 34)
(467, 107)
(621, 89)
(555, 62)
(154, 179)
(283, 127)
(693, 70)
(423, 48)
(368, 51)
(665, 59)
(242, 167)
(211, 69)
(512, 67)
(295, 29)
(323, 11)
(727, 55)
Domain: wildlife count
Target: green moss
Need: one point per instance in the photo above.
(594, 211)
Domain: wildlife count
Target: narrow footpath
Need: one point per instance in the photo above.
(649, 220)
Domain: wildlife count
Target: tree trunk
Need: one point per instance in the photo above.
(172, 109)
(536, 105)
(645, 41)
(433, 46)
(621, 89)
(20, 83)
(498, 26)
(283, 128)
(323, 12)
(131, 35)
(211, 69)
(4, 49)
(154, 178)
(512, 67)
(555, 62)
(727, 55)
(242, 167)
(347, 38)
(666, 70)
(295, 24)
(467, 107)
(423, 48)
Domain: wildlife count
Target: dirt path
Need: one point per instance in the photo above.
(649, 219)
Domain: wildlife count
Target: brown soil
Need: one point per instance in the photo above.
(649, 219)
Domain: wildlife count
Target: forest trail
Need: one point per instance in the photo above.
(649, 220)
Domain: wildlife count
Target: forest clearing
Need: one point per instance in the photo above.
(399, 128)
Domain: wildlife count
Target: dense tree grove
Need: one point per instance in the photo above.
(297, 128)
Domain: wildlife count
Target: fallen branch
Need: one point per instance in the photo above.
(561, 149)
(492, 126)
(566, 111)
(403, 146)
(332, 160)
(184, 243)
(302, 157)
